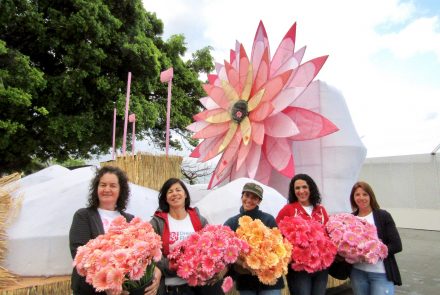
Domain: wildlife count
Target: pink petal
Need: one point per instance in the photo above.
(310, 98)
(218, 178)
(310, 124)
(207, 147)
(237, 55)
(195, 153)
(230, 153)
(263, 110)
(274, 85)
(278, 152)
(257, 132)
(244, 67)
(243, 153)
(261, 75)
(264, 170)
(300, 54)
(208, 103)
(260, 46)
(206, 114)
(285, 98)
(212, 130)
(232, 56)
(289, 170)
(239, 172)
(233, 77)
(218, 95)
(307, 72)
(284, 51)
(280, 125)
(253, 160)
(212, 79)
(221, 72)
(197, 126)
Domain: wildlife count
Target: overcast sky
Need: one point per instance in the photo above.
(384, 55)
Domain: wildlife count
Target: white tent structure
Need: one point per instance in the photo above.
(38, 243)
(225, 201)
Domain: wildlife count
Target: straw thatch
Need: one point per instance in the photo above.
(149, 170)
(40, 286)
(7, 207)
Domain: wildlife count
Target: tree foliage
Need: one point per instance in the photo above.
(63, 64)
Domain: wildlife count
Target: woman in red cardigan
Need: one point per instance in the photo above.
(304, 201)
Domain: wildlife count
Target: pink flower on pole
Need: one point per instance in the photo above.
(358, 242)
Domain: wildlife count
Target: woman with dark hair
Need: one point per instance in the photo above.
(379, 278)
(108, 198)
(175, 220)
(304, 201)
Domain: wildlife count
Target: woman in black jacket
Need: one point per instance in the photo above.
(379, 278)
(109, 192)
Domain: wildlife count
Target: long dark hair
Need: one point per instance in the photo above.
(124, 188)
(367, 188)
(163, 205)
(315, 196)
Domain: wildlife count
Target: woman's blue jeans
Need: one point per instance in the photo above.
(304, 283)
(261, 292)
(370, 283)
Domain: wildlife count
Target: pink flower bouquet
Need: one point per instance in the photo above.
(356, 239)
(121, 259)
(206, 253)
(312, 248)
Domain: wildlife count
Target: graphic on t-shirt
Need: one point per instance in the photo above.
(178, 236)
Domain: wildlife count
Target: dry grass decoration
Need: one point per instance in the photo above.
(149, 170)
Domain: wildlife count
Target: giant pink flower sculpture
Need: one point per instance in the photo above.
(251, 117)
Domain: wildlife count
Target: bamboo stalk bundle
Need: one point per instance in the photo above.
(149, 170)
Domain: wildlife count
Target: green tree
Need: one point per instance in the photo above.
(64, 63)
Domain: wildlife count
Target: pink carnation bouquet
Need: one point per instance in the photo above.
(269, 254)
(312, 248)
(205, 253)
(356, 239)
(121, 259)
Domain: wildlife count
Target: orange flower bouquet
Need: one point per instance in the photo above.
(269, 254)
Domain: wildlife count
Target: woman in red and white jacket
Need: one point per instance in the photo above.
(304, 201)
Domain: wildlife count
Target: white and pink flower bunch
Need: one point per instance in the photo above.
(312, 249)
(356, 239)
(205, 253)
(120, 256)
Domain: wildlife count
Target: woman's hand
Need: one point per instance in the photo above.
(217, 277)
(152, 289)
(339, 258)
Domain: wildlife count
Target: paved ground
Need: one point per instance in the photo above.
(419, 264)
